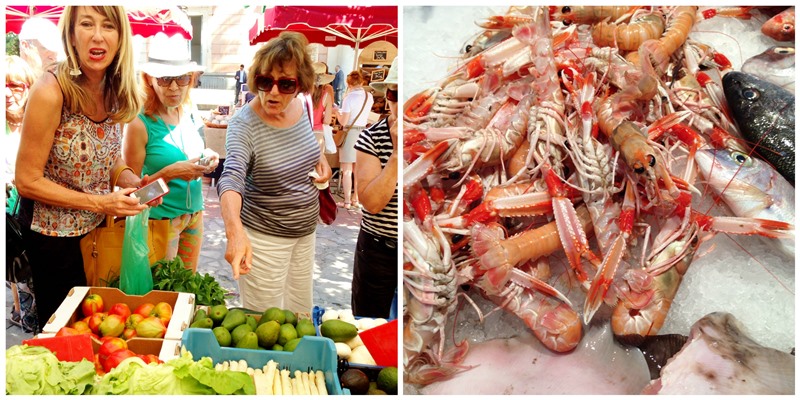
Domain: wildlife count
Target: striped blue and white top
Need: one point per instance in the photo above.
(376, 141)
(269, 167)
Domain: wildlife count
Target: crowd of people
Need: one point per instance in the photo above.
(122, 126)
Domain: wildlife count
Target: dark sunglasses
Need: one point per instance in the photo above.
(166, 81)
(285, 85)
(391, 95)
(16, 87)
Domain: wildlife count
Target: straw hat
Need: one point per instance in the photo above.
(323, 78)
(169, 56)
(391, 78)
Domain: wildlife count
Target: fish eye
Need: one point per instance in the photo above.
(741, 158)
(565, 10)
(784, 50)
(788, 27)
(468, 48)
(751, 94)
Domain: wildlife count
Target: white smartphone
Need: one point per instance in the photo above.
(152, 191)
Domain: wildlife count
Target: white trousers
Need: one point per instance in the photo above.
(281, 275)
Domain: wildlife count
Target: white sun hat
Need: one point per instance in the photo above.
(169, 56)
(43, 30)
(391, 78)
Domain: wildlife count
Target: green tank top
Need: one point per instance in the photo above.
(167, 144)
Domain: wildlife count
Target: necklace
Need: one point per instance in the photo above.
(179, 130)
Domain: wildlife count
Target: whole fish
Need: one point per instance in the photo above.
(776, 65)
(719, 358)
(781, 26)
(750, 187)
(765, 115)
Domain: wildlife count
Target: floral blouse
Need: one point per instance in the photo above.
(81, 159)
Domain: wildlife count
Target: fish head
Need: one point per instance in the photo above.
(742, 181)
(744, 93)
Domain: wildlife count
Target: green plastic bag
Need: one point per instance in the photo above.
(135, 277)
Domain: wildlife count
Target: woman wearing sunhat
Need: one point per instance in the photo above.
(322, 100)
(375, 265)
(69, 148)
(163, 142)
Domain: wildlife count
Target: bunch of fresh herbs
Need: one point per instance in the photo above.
(171, 275)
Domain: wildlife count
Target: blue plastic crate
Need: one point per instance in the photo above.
(316, 353)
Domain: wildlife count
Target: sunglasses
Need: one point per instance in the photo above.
(16, 87)
(166, 81)
(391, 95)
(285, 85)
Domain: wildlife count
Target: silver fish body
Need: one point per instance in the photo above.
(776, 65)
(750, 187)
(765, 115)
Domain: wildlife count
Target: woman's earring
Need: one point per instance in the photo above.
(74, 71)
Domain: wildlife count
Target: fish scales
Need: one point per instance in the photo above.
(765, 115)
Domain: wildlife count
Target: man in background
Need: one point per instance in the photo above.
(241, 79)
(338, 86)
(40, 44)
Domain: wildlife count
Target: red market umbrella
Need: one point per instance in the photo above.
(145, 21)
(353, 26)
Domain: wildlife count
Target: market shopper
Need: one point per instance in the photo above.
(353, 114)
(338, 85)
(164, 142)
(269, 203)
(67, 159)
(375, 262)
(322, 101)
(40, 44)
(19, 79)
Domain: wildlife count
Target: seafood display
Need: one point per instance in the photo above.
(561, 174)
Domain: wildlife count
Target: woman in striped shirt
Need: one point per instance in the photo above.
(269, 203)
(375, 265)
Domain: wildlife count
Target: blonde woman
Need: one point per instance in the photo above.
(70, 147)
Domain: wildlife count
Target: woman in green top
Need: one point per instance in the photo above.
(164, 143)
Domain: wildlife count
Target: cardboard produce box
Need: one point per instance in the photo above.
(70, 309)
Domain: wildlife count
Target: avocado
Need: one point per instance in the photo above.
(286, 334)
(355, 380)
(273, 314)
(218, 313)
(387, 380)
(238, 333)
(338, 331)
(305, 328)
(200, 314)
(248, 341)
(223, 336)
(234, 318)
(291, 345)
(268, 334)
(250, 320)
(291, 318)
(206, 323)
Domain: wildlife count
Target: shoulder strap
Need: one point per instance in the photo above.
(307, 100)
(359, 112)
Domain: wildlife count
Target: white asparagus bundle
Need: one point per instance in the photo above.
(270, 380)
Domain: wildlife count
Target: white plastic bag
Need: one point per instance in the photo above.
(327, 135)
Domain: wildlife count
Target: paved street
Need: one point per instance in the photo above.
(333, 269)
